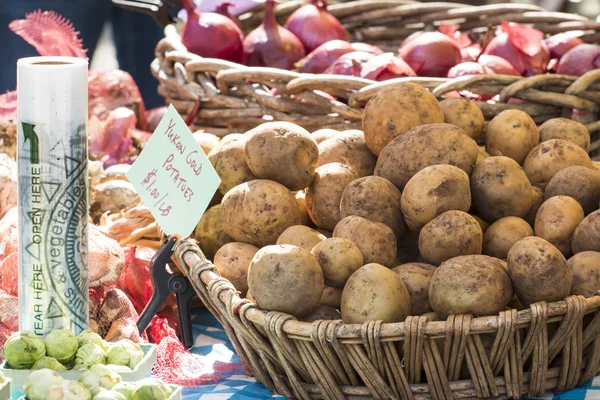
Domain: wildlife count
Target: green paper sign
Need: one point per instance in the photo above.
(173, 176)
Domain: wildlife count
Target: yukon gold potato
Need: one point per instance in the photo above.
(433, 191)
(586, 273)
(376, 241)
(465, 114)
(301, 199)
(210, 233)
(375, 199)
(503, 234)
(348, 148)
(482, 155)
(475, 284)
(596, 165)
(323, 134)
(323, 313)
(566, 129)
(500, 189)
(375, 293)
(229, 161)
(257, 212)
(301, 236)
(512, 133)
(580, 183)
(423, 146)
(324, 194)
(285, 278)
(483, 224)
(232, 261)
(538, 199)
(539, 271)
(417, 277)
(551, 156)
(557, 220)
(396, 109)
(587, 234)
(452, 234)
(331, 297)
(207, 141)
(282, 152)
(338, 258)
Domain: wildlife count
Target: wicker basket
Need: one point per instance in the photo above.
(550, 346)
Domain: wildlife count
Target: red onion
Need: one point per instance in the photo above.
(430, 53)
(367, 48)
(497, 64)
(469, 68)
(385, 66)
(579, 60)
(470, 53)
(521, 46)
(349, 64)
(314, 25)
(212, 35)
(323, 56)
(271, 45)
(451, 30)
(223, 9)
(154, 116)
(559, 44)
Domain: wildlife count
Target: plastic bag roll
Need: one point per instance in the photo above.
(52, 113)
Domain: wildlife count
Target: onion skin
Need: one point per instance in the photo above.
(469, 68)
(521, 46)
(430, 53)
(367, 48)
(212, 35)
(386, 66)
(321, 58)
(579, 60)
(271, 45)
(223, 9)
(497, 64)
(349, 64)
(314, 25)
(559, 44)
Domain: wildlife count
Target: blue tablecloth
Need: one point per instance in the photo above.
(212, 342)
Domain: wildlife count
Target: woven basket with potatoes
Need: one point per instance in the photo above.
(402, 260)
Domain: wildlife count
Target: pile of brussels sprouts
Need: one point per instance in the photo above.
(98, 383)
(61, 350)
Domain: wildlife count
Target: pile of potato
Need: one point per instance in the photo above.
(409, 216)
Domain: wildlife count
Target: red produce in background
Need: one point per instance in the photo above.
(385, 66)
(154, 116)
(326, 54)
(430, 53)
(579, 60)
(559, 44)
(469, 68)
(497, 64)
(349, 64)
(314, 25)
(111, 141)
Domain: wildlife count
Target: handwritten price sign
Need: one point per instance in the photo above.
(173, 176)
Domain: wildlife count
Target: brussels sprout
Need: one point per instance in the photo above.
(125, 352)
(68, 391)
(88, 355)
(151, 389)
(119, 368)
(91, 337)
(38, 383)
(125, 388)
(50, 363)
(23, 349)
(109, 395)
(62, 345)
(108, 377)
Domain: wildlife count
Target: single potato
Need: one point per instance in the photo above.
(324, 194)
(539, 271)
(512, 133)
(206, 141)
(229, 161)
(331, 297)
(538, 199)
(424, 146)
(233, 261)
(465, 114)
(323, 134)
(586, 273)
(285, 278)
(503, 234)
(348, 148)
(587, 234)
(257, 212)
(433, 191)
(210, 233)
(474, 284)
(304, 217)
(417, 277)
(301, 236)
(557, 220)
(282, 152)
(374, 293)
(396, 109)
(339, 258)
(376, 241)
(323, 313)
(375, 199)
(500, 189)
(483, 224)
(566, 129)
(580, 183)
(551, 156)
